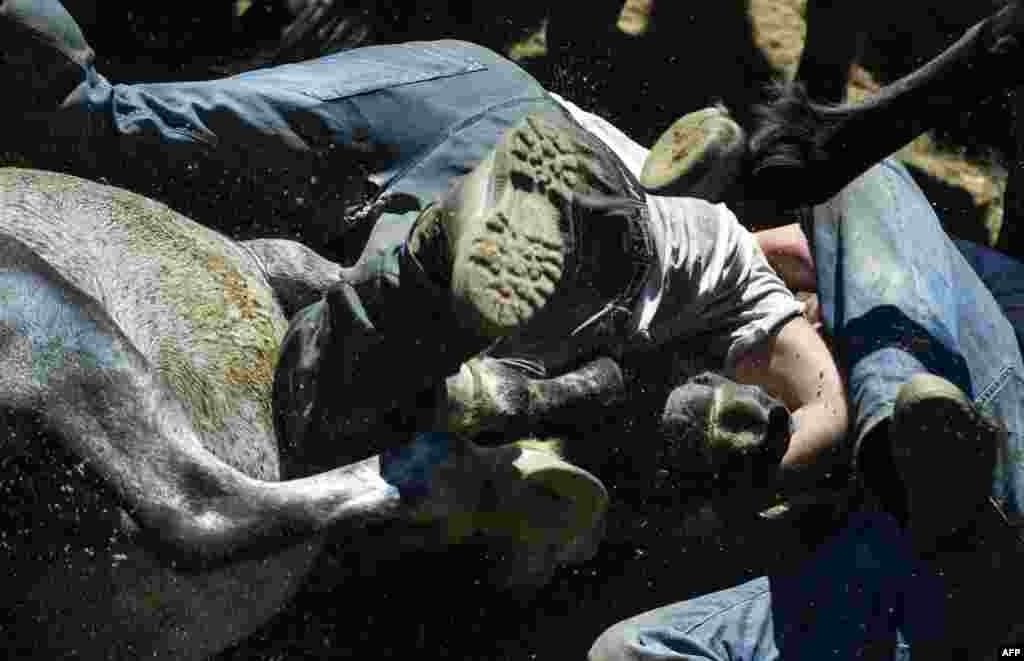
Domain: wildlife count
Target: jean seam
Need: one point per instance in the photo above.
(462, 65)
(718, 613)
(993, 388)
(409, 79)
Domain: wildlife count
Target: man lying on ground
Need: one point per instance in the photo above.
(501, 209)
(926, 331)
(171, 363)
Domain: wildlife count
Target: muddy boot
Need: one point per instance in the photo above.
(524, 226)
(944, 451)
(543, 513)
(700, 155)
(44, 54)
(523, 494)
(489, 395)
(735, 432)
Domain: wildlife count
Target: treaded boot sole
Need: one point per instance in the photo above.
(698, 156)
(507, 266)
(944, 450)
(537, 497)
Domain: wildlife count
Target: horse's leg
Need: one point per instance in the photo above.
(68, 363)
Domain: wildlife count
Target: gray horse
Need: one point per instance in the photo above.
(140, 464)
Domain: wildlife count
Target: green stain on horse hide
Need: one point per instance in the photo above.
(191, 301)
(225, 354)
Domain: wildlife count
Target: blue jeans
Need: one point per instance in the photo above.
(898, 297)
(413, 116)
(849, 601)
(422, 114)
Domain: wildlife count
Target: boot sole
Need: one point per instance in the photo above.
(945, 452)
(698, 156)
(542, 499)
(508, 266)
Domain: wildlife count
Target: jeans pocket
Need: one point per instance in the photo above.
(365, 70)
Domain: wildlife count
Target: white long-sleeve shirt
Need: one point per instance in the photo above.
(711, 284)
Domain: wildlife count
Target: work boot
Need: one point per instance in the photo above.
(488, 394)
(44, 54)
(525, 227)
(944, 451)
(700, 155)
(522, 493)
(716, 426)
(550, 514)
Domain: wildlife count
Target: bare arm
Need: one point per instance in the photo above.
(796, 367)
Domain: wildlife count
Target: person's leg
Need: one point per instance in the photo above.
(380, 111)
(355, 102)
(845, 602)
(710, 627)
(410, 117)
(899, 300)
(1003, 276)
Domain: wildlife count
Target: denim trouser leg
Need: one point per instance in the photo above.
(899, 298)
(846, 599)
(412, 115)
(1003, 276)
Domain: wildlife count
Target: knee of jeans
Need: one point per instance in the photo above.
(615, 644)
